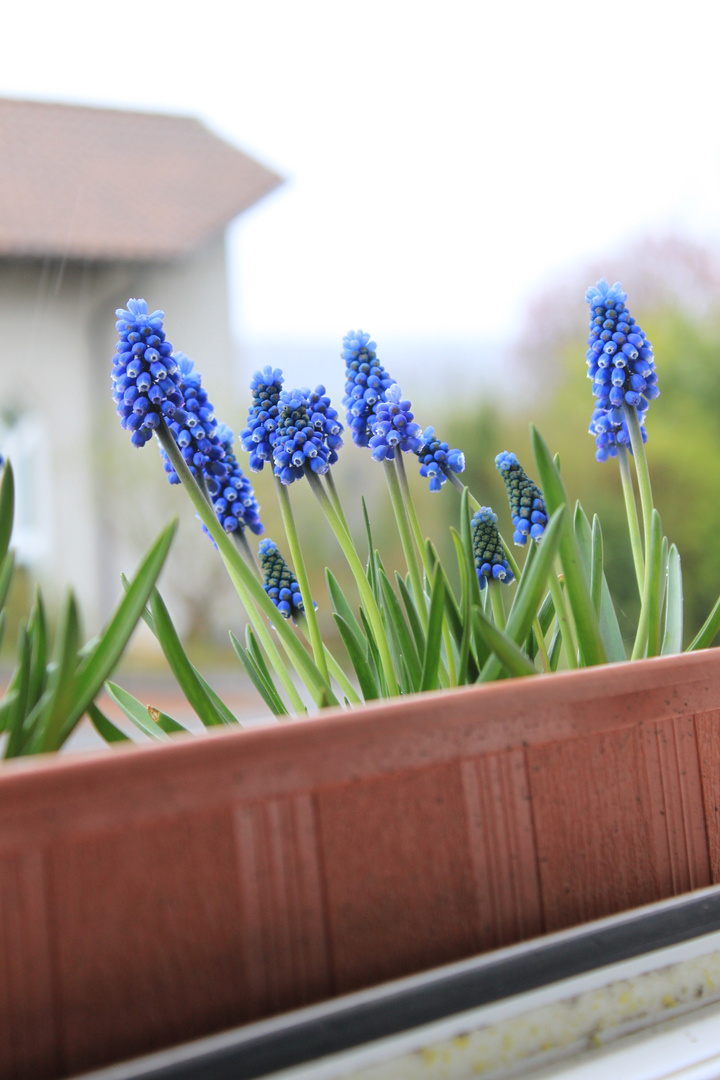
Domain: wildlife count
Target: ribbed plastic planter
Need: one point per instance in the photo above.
(149, 896)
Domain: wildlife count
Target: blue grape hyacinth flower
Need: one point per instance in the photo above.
(490, 561)
(527, 503)
(196, 433)
(622, 366)
(437, 460)
(258, 437)
(145, 376)
(232, 495)
(366, 382)
(280, 583)
(393, 427)
(297, 443)
(324, 418)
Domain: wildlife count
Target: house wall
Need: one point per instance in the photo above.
(94, 501)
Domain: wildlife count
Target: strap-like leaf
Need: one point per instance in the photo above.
(592, 649)
(98, 665)
(340, 604)
(7, 569)
(431, 659)
(359, 660)
(412, 612)
(512, 658)
(672, 639)
(7, 508)
(530, 592)
(609, 625)
(105, 727)
(400, 636)
(258, 678)
(182, 669)
(136, 711)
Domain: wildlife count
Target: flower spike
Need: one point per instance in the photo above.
(280, 583)
(621, 364)
(297, 442)
(490, 561)
(145, 376)
(527, 504)
(258, 438)
(366, 382)
(437, 460)
(393, 427)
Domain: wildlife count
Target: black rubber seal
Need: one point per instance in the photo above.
(349, 1026)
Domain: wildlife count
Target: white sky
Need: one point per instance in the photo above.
(441, 158)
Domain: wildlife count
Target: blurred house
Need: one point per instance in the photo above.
(97, 205)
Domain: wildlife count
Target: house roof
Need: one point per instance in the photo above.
(103, 184)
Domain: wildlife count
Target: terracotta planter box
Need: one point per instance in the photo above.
(149, 896)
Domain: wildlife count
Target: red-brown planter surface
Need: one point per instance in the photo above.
(148, 896)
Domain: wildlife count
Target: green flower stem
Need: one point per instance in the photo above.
(406, 539)
(648, 635)
(409, 504)
(641, 469)
(371, 608)
(556, 591)
(537, 629)
(496, 602)
(632, 516)
(241, 543)
(296, 555)
(412, 514)
(335, 499)
(250, 590)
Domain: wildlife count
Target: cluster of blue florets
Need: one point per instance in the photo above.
(437, 459)
(297, 442)
(196, 433)
(621, 364)
(527, 504)
(144, 375)
(258, 437)
(232, 495)
(393, 427)
(490, 561)
(324, 418)
(280, 583)
(366, 382)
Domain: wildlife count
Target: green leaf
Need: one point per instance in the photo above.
(359, 660)
(98, 664)
(7, 570)
(182, 669)
(512, 658)
(708, 631)
(7, 709)
(50, 722)
(465, 639)
(609, 626)
(656, 587)
(372, 557)
(258, 678)
(592, 649)
(596, 565)
(18, 690)
(105, 727)
(400, 637)
(672, 639)
(431, 659)
(412, 612)
(342, 607)
(530, 593)
(37, 632)
(7, 508)
(136, 711)
(555, 649)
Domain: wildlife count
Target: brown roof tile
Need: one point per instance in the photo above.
(105, 184)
